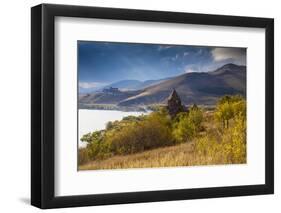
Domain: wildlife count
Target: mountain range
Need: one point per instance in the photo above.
(134, 84)
(202, 88)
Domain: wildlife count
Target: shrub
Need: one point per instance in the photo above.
(238, 140)
(152, 132)
(187, 125)
(230, 148)
(183, 130)
(109, 125)
(195, 117)
(239, 109)
(130, 135)
(95, 137)
(229, 107)
(83, 156)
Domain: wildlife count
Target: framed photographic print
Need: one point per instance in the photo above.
(139, 106)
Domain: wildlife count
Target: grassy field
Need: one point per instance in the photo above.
(178, 155)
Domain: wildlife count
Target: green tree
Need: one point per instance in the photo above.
(195, 117)
(229, 107)
(239, 109)
(95, 137)
(224, 113)
(187, 125)
(183, 130)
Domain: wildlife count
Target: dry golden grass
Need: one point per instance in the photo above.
(179, 155)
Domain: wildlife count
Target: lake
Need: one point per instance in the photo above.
(94, 120)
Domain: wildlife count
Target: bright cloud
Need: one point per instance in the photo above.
(237, 55)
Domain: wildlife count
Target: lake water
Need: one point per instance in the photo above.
(93, 120)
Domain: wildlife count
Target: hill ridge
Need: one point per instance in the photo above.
(197, 87)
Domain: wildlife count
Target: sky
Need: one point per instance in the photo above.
(102, 63)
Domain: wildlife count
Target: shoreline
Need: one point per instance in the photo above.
(112, 107)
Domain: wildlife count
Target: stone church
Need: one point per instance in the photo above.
(174, 104)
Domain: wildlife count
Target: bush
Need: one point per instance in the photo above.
(230, 148)
(238, 140)
(187, 125)
(152, 132)
(83, 156)
(183, 130)
(131, 135)
(109, 125)
(239, 109)
(195, 117)
(229, 107)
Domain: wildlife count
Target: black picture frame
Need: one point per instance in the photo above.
(43, 102)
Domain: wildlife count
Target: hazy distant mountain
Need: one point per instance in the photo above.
(122, 85)
(133, 84)
(200, 88)
(125, 84)
(84, 91)
(106, 98)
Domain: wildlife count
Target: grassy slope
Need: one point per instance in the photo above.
(179, 155)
